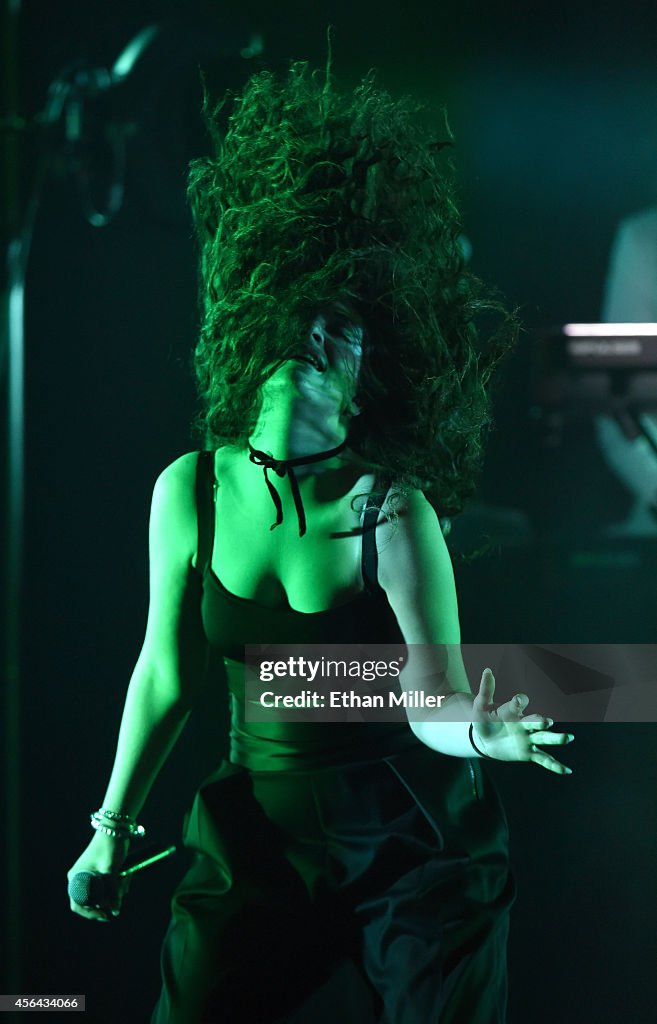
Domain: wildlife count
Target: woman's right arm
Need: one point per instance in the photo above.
(169, 671)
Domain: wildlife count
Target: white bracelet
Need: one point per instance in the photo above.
(127, 828)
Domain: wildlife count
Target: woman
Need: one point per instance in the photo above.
(337, 361)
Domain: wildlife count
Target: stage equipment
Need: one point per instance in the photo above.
(605, 374)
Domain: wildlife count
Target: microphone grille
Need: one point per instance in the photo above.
(86, 889)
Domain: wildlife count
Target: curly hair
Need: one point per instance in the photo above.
(314, 197)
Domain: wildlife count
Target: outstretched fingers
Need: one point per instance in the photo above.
(552, 738)
(545, 760)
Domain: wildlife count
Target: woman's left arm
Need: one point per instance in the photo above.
(415, 570)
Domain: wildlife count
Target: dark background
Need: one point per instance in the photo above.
(554, 111)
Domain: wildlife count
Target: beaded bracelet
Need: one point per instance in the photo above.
(115, 815)
(474, 745)
(125, 828)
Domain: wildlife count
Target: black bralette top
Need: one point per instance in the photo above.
(230, 622)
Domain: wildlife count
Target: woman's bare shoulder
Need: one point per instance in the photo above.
(410, 528)
(177, 481)
(180, 471)
(173, 509)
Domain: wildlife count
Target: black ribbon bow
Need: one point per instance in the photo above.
(285, 467)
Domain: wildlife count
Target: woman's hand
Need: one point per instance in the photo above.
(507, 734)
(103, 856)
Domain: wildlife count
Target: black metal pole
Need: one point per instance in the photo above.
(12, 329)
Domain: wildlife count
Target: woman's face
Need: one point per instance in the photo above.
(326, 368)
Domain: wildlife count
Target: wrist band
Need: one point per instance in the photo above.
(474, 745)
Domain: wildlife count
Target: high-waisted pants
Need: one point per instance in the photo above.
(391, 877)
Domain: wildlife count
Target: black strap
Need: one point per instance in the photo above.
(369, 553)
(205, 483)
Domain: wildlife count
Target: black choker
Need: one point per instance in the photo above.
(285, 467)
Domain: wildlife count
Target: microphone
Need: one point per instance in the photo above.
(92, 889)
(93, 113)
(94, 139)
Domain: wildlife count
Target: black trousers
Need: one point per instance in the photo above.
(398, 866)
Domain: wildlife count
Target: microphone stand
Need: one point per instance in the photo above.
(62, 137)
(64, 107)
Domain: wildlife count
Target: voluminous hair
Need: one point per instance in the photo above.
(313, 197)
